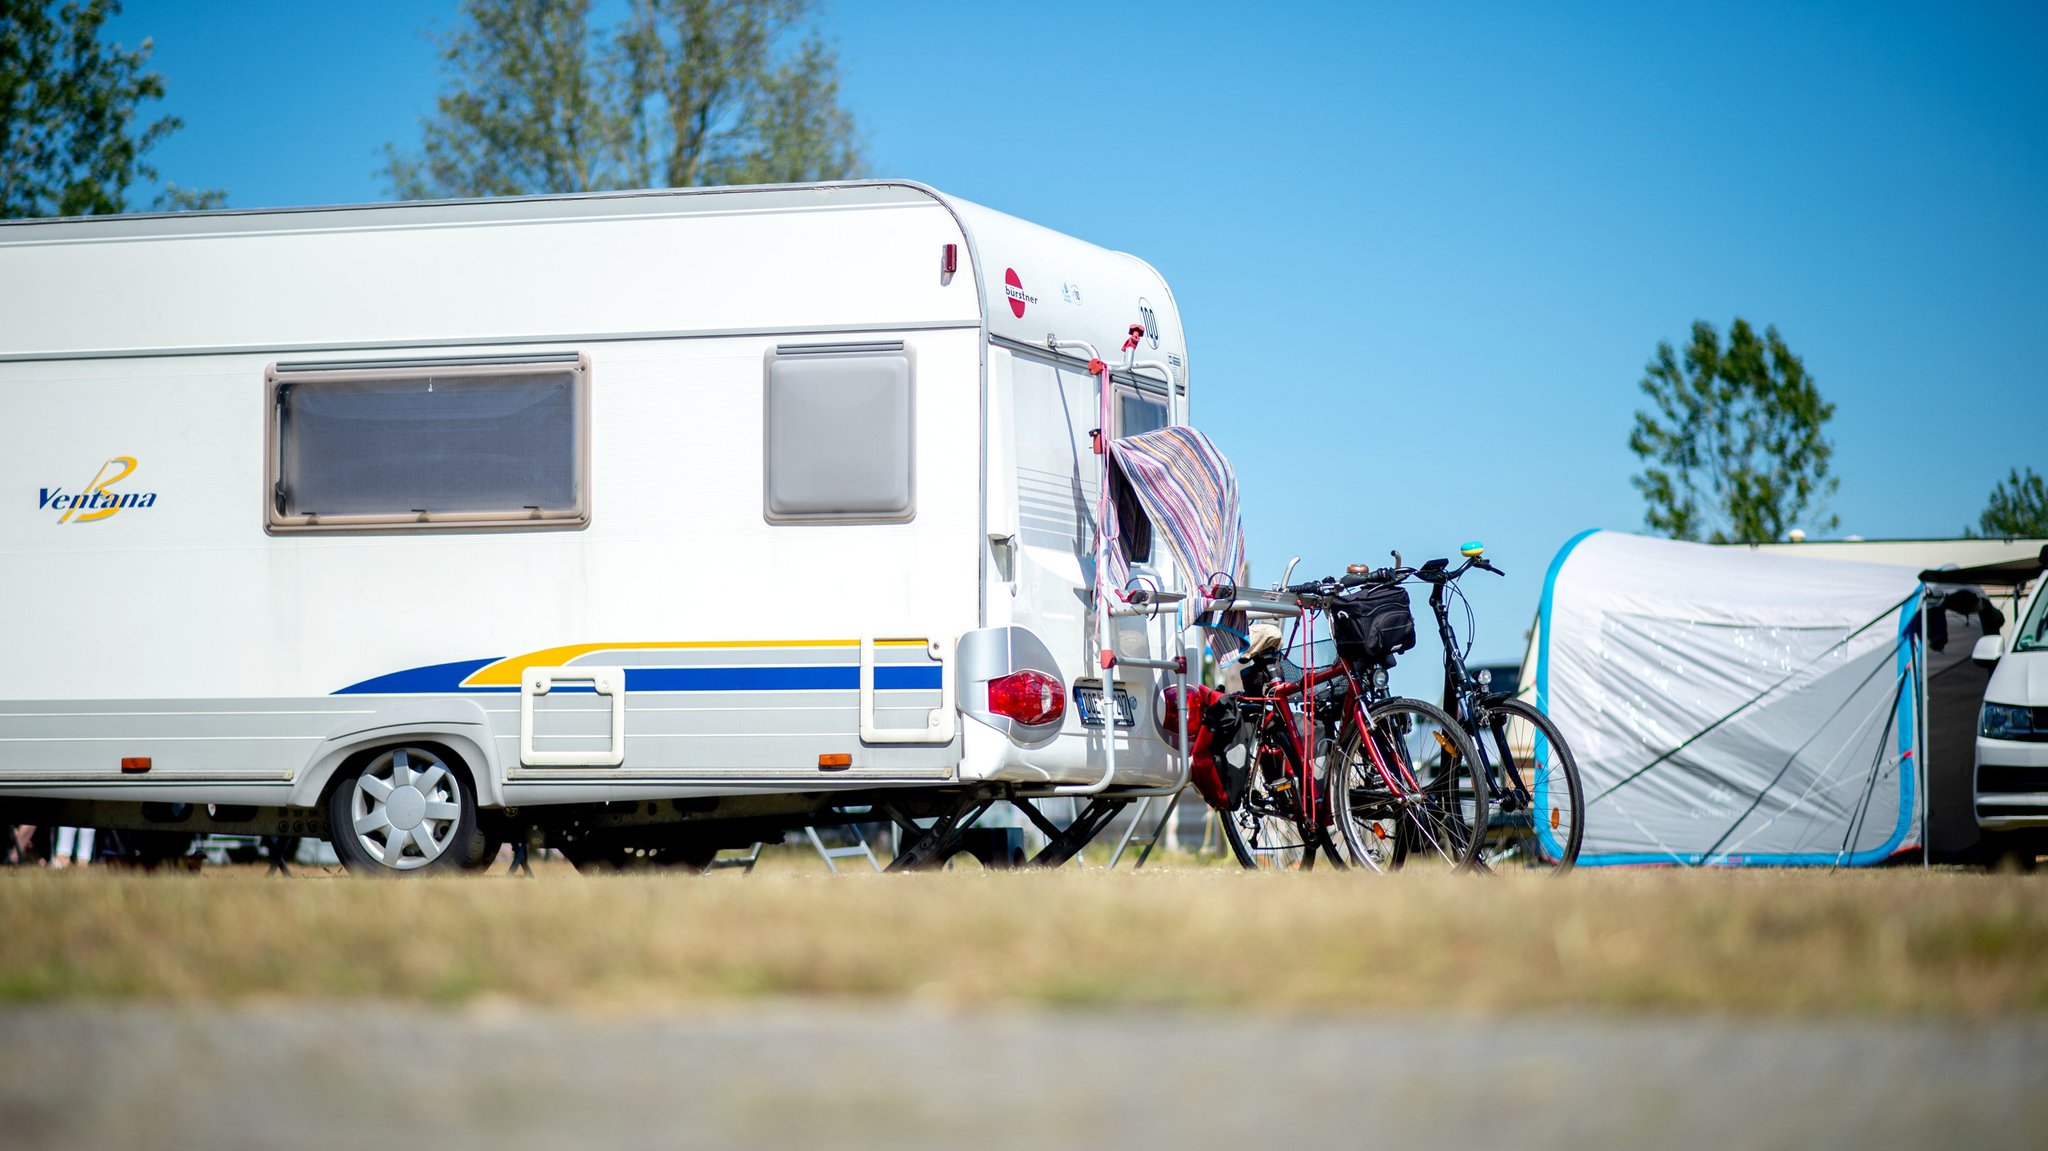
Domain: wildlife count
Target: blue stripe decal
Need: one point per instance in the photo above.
(447, 678)
(440, 677)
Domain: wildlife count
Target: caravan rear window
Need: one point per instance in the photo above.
(1138, 413)
(389, 445)
(839, 434)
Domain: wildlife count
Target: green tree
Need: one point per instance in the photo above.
(681, 93)
(2017, 508)
(71, 141)
(1734, 446)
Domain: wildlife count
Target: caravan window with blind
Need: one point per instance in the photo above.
(1138, 413)
(429, 444)
(839, 434)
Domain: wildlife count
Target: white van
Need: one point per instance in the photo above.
(2012, 729)
(642, 524)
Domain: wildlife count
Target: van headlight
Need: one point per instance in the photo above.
(2004, 721)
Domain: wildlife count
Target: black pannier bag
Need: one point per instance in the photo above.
(1372, 625)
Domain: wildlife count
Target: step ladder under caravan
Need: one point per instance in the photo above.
(858, 849)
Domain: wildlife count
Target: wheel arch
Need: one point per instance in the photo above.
(458, 725)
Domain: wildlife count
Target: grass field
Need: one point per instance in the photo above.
(1887, 944)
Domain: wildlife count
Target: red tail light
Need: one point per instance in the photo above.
(1032, 698)
(1169, 716)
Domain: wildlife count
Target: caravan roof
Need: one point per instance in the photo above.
(612, 265)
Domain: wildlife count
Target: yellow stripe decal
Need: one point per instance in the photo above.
(507, 672)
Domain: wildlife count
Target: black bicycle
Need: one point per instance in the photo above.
(1539, 807)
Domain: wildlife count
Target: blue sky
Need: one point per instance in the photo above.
(1422, 252)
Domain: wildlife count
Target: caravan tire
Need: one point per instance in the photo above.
(405, 810)
(482, 853)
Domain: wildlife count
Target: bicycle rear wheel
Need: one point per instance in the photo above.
(1263, 832)
(1367, 812)
(1539, 804)
(1410, 792)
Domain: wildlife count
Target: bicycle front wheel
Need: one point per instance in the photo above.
(1539, 806)
(1409, 791)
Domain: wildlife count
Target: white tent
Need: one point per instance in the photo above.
(1729, 706)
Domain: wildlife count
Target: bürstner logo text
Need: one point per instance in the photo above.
(1013, 287)
(98, 501)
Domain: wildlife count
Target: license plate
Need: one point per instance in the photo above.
(1089, 700)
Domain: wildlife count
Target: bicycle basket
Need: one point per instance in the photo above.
(1372, 625)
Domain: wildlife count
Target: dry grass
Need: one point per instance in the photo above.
(1887, 943)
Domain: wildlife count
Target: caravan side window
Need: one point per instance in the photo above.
(386, 445)
(839, 434)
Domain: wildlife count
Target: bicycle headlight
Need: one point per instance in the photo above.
(2004, 721)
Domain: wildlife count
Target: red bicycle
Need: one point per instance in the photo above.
(1322, 760)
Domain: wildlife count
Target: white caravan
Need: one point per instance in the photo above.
(639, 524)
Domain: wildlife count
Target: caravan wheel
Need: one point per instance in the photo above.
(404, 810)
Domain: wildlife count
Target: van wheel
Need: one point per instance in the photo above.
(406, 809)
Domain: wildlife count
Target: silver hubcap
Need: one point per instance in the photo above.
(404, 807)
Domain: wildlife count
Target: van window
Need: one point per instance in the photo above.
(839, 434)
(2032, 634)
(384, 445)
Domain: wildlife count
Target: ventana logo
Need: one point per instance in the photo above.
(98, 501)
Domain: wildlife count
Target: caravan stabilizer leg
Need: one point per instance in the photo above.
(930, 847)
(1062, 846)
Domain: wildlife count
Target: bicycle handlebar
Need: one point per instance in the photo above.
(1331, 585)
(1433, 572)
(1316, 594)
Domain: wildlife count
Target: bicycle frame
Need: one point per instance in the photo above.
(1467, 701)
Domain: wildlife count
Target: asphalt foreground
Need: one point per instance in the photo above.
(1181, 1006)
(809, 1075)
